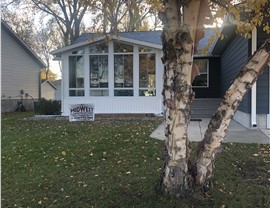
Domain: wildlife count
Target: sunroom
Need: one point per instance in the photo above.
(116, 76)
(123, 75)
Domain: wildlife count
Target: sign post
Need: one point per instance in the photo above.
(81, 112)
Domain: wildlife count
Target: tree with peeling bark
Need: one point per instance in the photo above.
(183, 22)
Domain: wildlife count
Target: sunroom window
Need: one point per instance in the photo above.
(202, 79)
(147, 74)
(76, 73)
(123, 69)
(98, 65)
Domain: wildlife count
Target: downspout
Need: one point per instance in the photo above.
(254, 87)
(62, 85)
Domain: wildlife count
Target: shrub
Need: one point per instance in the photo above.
(48, 107)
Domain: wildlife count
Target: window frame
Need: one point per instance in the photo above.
(80, 52)
(207, 73)
(98, 53)
(123, 54)
(154, 89)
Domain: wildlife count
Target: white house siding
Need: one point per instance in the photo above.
(57, 93)
(19, 70)
(47, 91)
(125, 105)
(112, 104)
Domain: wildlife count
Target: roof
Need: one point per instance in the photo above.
(149, 38)
(145, 38)
(50, 83)
(228, 30)
(153, 37)
(5, 26)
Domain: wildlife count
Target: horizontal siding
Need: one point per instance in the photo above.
(47, 91)
(19, 69)
(232, 60)
(118, 105)
(263, 92)
(263, 80)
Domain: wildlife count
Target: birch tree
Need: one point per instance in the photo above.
(183, 20)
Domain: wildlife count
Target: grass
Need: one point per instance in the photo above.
(55, 163)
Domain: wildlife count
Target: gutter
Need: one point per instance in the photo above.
(254, 87)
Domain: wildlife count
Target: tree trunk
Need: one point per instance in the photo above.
(218, 125)
(178, 57)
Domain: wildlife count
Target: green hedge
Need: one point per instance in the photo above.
(48, 107)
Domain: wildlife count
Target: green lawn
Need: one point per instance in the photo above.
(54, 163)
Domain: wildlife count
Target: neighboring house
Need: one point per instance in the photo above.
(234, 51)
(125, 74)
(48, 90)
(20, 72)
(57, 84)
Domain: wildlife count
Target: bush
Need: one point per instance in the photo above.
(48, 107)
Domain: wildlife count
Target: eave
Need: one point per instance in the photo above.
(57, 52)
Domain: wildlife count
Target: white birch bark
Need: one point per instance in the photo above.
(218, 125)
(178, 57)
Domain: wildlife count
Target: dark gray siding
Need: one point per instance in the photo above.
(213, 91)
(263, 80)
(232, 60)
(263, 92)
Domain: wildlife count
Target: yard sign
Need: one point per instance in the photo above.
(81, 112)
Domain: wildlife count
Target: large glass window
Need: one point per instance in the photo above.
(98, 65)
(123, 70)
(202, 79)
(98, 48)
(122, 47)
(76, 74)
(147, 74)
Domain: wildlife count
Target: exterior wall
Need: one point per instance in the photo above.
(263, 92)
(19, 70)
(47, 91)
(213, 90)
(232, 60)
(57, 94)
(263, 81)
(111, 104)
(11, 105)
(245, 119)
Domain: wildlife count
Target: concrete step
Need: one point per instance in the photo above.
(204, 107)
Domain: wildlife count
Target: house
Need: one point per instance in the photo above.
(20, 72)
(125, 75)
(57, 84)
(234, 51)
(48, 90)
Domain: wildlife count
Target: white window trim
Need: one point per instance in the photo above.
(70, 54)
